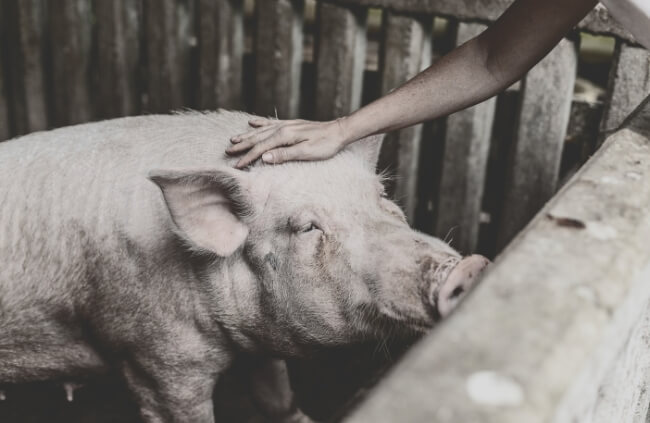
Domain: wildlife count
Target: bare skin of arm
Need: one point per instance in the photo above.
(471, 73)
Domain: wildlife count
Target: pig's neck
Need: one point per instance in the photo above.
(247, 313)
(236, 301)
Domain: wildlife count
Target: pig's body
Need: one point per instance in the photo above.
(81, 222)
(95, 274)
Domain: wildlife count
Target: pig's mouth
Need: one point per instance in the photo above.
(443, 270)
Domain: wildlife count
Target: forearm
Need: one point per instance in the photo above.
(473, 72)
(477, 70)
(458, 80)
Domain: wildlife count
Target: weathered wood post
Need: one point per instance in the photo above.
(25, 26)
(629, 84)
(169, 37)
(116, 78)
(547, 92)
(466, 147)
(407, 51)
(278, 57)
(557, 331)
(221, 51)
(341, 60)
(70, 41)
(5, 129)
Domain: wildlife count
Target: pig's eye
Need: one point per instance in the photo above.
(311, 226)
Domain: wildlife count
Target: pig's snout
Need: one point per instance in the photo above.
(459, 281)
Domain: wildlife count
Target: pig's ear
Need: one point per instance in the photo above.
(368, 148)
(207, 207)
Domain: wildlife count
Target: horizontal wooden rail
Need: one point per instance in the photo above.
(558, 329)
(598, 21)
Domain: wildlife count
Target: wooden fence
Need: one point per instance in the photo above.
(476, 177)
(479, 175)
(559, 329)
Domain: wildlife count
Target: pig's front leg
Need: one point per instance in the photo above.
(271, 391)
(173, 385)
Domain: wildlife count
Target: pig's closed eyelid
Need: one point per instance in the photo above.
(303, 225)
(312, 226)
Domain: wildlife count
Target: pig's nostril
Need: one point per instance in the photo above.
(456, 292)
(458, 282)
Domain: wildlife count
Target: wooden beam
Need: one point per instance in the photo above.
(116, 83)
(542, 127)
(169, 37)
(598, 21)
(629, 84)
(407, 51)
(69, 40)
(557, 330)
(466, 148)
(5, 129)
(341, 60)
(278, 57)
(25, 21)
(221, 52)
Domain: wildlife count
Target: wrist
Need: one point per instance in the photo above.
(346, 130)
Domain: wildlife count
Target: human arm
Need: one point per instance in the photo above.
(471, 73)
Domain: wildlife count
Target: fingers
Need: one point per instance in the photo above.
(252, 133)
(252, 155)
(283, 154)
(257, 149)
(259, 122)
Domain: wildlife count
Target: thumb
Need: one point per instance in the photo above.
(281, 155)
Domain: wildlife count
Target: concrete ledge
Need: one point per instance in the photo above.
(559, 330)
(597, 22)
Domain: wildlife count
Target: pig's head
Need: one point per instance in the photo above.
(317, 251)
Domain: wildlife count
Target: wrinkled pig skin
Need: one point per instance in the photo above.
(134, 245)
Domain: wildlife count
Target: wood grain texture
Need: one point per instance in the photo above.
(116, 76)
(169, 38)
(629, 84)
(466, 148)
(340, 61)
(407, 51)
(221, 51)
(25, 20)
(278, 55)
(5, 128)
(598, 21)
(553, 332)
(542, 127)
(70, 43)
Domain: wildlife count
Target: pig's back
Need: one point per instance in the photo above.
(67, 192)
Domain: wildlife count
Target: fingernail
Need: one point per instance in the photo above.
(267, 157)
(234, 139)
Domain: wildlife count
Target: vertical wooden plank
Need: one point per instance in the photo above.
(407, 50)
(629, 84)
(278, 57)
(25, 25)
(70, 38)
(5, 130)
(537, 150)
(466, 147)
(221, 51)
(501, 144)
(116, 72)
(169, 37)
(341, 59)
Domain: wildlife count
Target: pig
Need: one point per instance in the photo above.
(133, 245)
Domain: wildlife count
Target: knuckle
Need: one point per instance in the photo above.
(282, 154)
(284, 131)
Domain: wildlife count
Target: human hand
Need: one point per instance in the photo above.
(278, 141)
